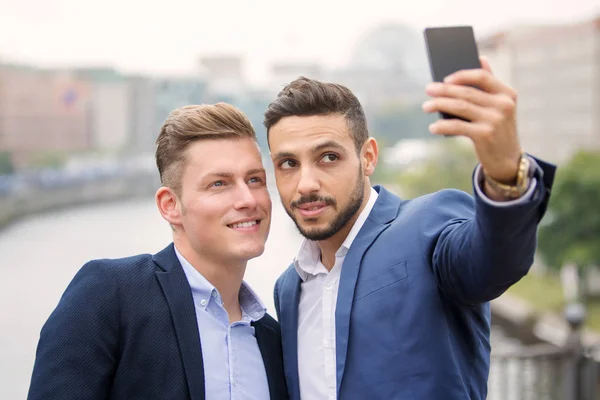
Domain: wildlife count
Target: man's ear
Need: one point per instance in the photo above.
(168, 205)
(369, 156)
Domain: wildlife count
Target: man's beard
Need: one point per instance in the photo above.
(340, 220)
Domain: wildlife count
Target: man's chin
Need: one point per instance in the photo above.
(252, 252)
(316, 234)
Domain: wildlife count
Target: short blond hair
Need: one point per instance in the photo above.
(189, 124)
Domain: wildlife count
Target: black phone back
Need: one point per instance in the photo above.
(450, 49)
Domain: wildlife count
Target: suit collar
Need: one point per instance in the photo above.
(166, 259)
(178, 294)
(386, 207)
(289, 299)
(385, 210)
(267, 339)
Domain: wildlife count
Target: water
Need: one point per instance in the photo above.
(40, 255)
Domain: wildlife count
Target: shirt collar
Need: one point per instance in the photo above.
(204, 292)
(307, 261)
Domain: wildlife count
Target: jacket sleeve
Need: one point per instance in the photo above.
(77, 353)
(477, 257)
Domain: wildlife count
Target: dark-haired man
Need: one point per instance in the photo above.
(389, 298)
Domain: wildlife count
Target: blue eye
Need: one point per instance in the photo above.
(218, 184)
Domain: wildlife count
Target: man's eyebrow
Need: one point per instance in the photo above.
(328, 144)
(256, 171)
(230, 175)
(284, 154)
(218, 174)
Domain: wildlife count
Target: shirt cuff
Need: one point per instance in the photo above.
(478, 181)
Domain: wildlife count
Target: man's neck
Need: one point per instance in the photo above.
(225, 277)
(330, 246)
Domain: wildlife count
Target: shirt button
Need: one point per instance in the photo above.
(328, 287)
(203, 302)
(214, 294)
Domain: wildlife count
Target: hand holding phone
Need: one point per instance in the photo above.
(472, 101)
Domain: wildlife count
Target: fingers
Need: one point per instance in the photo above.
(481, 121)
(458, 107)
(457, 127)
(485, 64)
(470, 94)
(482, 79)
(441, 92)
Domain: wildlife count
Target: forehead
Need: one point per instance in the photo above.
(223, 156)
(302, 133)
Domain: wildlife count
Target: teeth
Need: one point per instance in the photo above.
(244, 224)
(314, 208)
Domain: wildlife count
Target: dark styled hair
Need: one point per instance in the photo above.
(308, 97)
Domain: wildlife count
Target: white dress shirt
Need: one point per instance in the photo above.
(318, 298)
(316, 313)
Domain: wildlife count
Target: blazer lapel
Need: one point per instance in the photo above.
(181, 303)
(289, 330)
(267, 339)
(384, 211)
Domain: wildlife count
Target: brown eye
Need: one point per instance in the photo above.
(287, 164)
(329, 158)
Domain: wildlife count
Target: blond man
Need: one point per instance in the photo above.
(182, 323)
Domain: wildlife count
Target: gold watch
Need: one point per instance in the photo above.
(522, 182)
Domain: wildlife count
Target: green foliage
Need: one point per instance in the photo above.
(47, 159)
(395, 122)
(571, 232)
(6, 165)
(450, 167)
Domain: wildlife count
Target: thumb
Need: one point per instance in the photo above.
(485, 64)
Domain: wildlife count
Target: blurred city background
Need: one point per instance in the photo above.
(85, 87)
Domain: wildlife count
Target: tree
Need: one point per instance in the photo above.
(396, 121)
(47, 159)
(6, 165)
(450, 165)
(571, 230)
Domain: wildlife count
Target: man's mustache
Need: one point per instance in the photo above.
(313, 198)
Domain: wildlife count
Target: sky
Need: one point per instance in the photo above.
(168, 37)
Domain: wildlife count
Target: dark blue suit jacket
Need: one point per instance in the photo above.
(127, 329)
(412, 316)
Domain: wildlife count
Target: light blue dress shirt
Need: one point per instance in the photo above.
(233, 365)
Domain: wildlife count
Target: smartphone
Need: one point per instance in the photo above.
(451, 49)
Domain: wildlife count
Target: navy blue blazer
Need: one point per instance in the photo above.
(413, 316)
(126, 329)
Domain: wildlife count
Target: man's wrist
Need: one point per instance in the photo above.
(500, 191)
